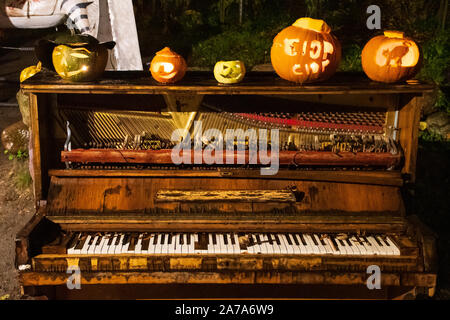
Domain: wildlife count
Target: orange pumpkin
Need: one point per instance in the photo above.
(167, 66)
(306, 52)
(391, 58)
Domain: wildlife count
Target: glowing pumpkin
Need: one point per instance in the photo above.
(81, 58)
(391, 58)
(306, 52)
(228, 72)
(168, 66)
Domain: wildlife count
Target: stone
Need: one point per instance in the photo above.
(24, 105)
(439, 123)
(15, 138)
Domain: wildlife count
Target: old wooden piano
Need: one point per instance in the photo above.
(110, 202)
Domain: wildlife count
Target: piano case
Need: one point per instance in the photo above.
(102, 196)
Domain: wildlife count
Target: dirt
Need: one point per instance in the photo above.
(16, 208)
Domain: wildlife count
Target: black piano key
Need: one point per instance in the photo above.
(133, 242)
(163, 236)
(269, 236)
(188, 239)
(214, 240)
(73, 240)
(314, 240)
(295, 240)
(126, 239)
(277, 240)
(334, 241)
(169, 240)
(110, 238)
(155, 239)
(288, 239)
(99, 239)
(118, 239)
(303, 240)
(250, 239)
(232, 239)
(145, 242)
(80, 243)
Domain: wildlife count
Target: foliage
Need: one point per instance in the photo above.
(20, 155)
(21, 178)
(351, 58)
(436, 53)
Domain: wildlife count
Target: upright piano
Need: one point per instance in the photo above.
(112, 204)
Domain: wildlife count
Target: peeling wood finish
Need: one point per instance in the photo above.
(225, 195)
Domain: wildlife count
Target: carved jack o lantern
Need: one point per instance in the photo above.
(228, 72)
(306, 52)
(391, 58)
(168, 66)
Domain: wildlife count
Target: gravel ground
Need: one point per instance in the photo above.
(16, 208)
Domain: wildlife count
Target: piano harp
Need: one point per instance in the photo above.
(111, 203)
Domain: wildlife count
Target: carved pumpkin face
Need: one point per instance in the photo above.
(229, 71)
(168, 66)
(306, 52)
(391, 58)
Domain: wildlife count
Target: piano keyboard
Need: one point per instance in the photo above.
(229, 243)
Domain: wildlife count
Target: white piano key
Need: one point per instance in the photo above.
(126, 243)
(190, 247)
(210, 244)
(86, 245)
(152, 243)
(362, 250)
(237, 248)
(380, 250)
(326, 245)
(94, 244)
(225, 247)
(321, 247)
(295, 244)
(393, 246)
(341, 247)
(333, 246)
(351, 249)
(250, 247)
(287, 245)
(119, 245)
(370, 249)
(159, 246)
(262, 243)
(71, 248)
(183, 243)
(283, 249)
(302, 244)
(98, 249)
(138, 247)
(312, 248)
(384, 245)
(276, 247)
(178, 245)
(169, 244)
(220, 244)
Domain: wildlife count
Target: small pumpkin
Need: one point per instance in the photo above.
(168, 66)
(229, 72)
(391, 57)
(80, 57)
(306, 52)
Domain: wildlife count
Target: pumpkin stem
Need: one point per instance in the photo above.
(312, 24)
(394, 34)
